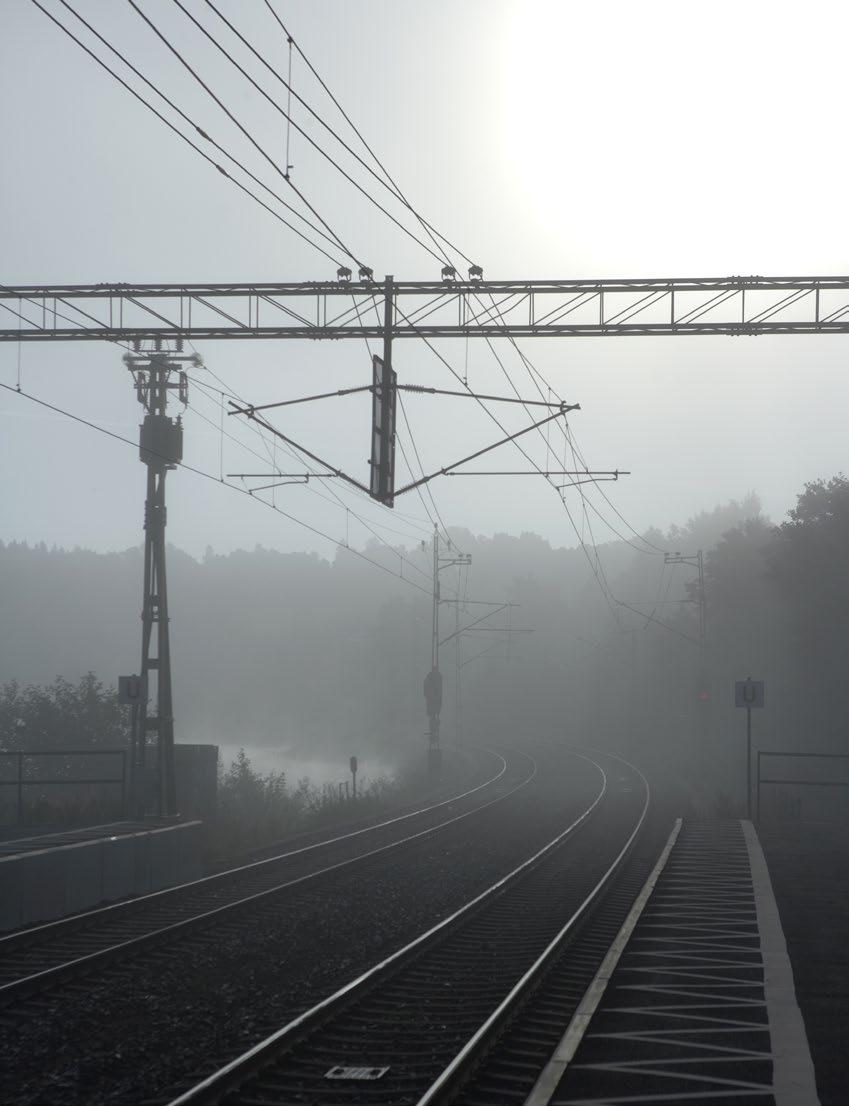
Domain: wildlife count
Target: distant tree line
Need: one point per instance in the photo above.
(328, 657)
(61, 715)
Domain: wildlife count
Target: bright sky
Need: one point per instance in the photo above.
(547, 139)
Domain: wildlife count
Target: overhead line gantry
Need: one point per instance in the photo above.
(447, 308)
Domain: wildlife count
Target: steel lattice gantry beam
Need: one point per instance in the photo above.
(430, 309)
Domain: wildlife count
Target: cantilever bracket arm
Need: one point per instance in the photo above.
(282, 479)
(250, 413)
(563, 408)
(422, 389)
(250, 408)
(483, 618)
(592, 477)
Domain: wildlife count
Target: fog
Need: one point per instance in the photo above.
(593, 140)
(546, 139)
(305, 661)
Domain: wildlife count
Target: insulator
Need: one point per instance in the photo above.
(449, 272)
(475, 272)
(366, 274)
(343, 274)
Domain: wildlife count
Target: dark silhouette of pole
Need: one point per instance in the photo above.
(749, 763)
(160, 449)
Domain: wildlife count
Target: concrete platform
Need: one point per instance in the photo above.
(47, 877)
(809, 867)
(696, 1000)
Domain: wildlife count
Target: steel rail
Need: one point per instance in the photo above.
(233, 1074)
(546, 1085)
(468, 1056)
(24, 936)
(25, 985)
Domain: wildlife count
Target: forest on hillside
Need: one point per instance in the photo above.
(315, 656)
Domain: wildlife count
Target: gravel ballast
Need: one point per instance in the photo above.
(143, 1030)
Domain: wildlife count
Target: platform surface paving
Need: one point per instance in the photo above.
(701, 1006)
(80, 835)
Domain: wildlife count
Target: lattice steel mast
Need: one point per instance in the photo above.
(156, 373)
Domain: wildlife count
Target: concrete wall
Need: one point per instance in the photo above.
(50, 883)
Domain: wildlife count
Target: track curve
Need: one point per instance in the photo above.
(42, 956)
(135, 1029)
(409, 1028)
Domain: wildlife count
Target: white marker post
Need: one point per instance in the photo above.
(749, 693)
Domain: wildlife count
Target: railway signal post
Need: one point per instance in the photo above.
(749, 693)
(433, 680)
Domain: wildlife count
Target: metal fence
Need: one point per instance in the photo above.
(25, 777)
(793, 781)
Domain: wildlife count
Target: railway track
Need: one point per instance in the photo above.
(35, 959)
(415, 1027)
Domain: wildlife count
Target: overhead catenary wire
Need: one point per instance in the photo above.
(427, 487)
(414, 475)
(389, 182)
(211, 476)
(257, 146)
(200, 384)
(398, 439)
(230, 115)
(332, 498)
(171, 104)
(289, 165)
(538, 380)
(534, 373)
(334, 471)
(525, 360)
(463, 379)
(258, 430)
(657, 599)
(298, 128)
(415, 448)
(315, 491)
(494, 418)
(192, 123)
(171, 126)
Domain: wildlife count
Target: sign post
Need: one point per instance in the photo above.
(749, 693)
(354, 775)
(132, 691)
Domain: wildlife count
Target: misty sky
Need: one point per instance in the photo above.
(547, 139)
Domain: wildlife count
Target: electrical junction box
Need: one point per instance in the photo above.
(161, 441)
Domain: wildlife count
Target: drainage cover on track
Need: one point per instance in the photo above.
(340, 1072)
